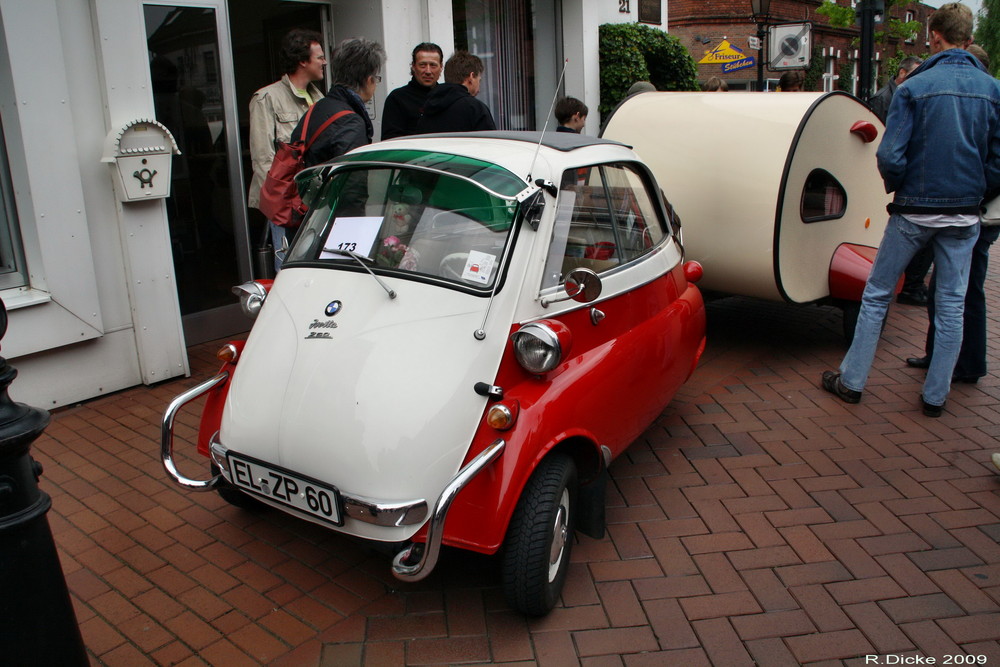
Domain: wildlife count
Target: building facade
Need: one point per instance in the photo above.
(104, 292)
(703, 26)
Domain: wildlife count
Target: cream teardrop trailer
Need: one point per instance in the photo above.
(779, 194)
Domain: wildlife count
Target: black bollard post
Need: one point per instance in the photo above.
(37, 622)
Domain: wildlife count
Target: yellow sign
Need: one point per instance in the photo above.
(723, 53)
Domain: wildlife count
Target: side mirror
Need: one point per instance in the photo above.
(282, 252)
(309, 183)
(581, 285)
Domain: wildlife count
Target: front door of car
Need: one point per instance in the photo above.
(607, 221)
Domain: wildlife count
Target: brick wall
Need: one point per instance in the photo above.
(701, 25)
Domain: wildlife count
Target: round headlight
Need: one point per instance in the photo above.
(537, 347)
(252, 295)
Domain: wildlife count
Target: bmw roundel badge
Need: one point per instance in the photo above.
(333, 308)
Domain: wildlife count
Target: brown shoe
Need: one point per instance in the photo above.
(832, 383)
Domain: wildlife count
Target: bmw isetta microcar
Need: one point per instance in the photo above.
(466, 331)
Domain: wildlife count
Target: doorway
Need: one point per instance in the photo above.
(206, 60)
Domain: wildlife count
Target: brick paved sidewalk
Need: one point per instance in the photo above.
(760, 520)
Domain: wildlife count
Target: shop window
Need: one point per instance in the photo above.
(12, 272)
(823, 197)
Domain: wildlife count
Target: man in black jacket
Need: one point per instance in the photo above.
(403, 105)
(879, 102)
(355, 72)
(452, 106)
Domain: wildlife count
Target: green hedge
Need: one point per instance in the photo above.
(631, 52)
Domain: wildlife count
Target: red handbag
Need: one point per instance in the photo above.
(279, 198)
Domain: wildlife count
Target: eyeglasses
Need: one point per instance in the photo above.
(377, 77)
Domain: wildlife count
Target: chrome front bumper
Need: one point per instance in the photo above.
(423, 563)
(167, 434)
(413, 563)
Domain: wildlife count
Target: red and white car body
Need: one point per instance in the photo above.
(462, 322)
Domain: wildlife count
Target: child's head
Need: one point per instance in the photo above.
(571, 113)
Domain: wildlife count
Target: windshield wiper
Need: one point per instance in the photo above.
(357, 258)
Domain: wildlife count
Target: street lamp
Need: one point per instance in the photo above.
(760, 9)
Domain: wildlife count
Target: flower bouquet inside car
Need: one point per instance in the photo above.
(395, 254)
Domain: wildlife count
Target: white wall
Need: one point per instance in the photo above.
(102, 312)
(398, 25)
(581, 20)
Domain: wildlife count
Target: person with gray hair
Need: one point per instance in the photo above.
(879, 102)
(354, 68)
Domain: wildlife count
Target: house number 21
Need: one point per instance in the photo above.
(623, 7)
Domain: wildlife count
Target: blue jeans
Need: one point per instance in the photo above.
(278, 234)
(972, 357)
(952, 257)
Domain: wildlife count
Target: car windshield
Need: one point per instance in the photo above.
(404, 221)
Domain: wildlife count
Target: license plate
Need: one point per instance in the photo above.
(288, 488)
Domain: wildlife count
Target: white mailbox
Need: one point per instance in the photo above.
(140, 155)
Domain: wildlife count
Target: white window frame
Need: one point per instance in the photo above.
(830, 76)
(60, 304)
(11, 249)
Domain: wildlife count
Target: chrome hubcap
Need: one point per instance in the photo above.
(560, 533)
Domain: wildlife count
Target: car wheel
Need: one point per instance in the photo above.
(540, 536)
(234, 496)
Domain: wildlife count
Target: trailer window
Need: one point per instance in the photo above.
(823, 197)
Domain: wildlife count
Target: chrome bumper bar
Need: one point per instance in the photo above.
(425, 562)
(167, 434)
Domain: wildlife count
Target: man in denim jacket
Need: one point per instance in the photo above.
(940, 154)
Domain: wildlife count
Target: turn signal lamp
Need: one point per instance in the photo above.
(502, 416)
(865, 130)
(228, 353)
(693, 271)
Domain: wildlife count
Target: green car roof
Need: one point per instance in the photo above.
(488, 175)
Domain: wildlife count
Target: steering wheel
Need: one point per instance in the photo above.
(453, 265)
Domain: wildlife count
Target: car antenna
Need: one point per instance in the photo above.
(545, 184)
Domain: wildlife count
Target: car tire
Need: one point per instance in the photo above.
(234, 496)
(537, 547)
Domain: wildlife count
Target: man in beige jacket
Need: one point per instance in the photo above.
(276, 109)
